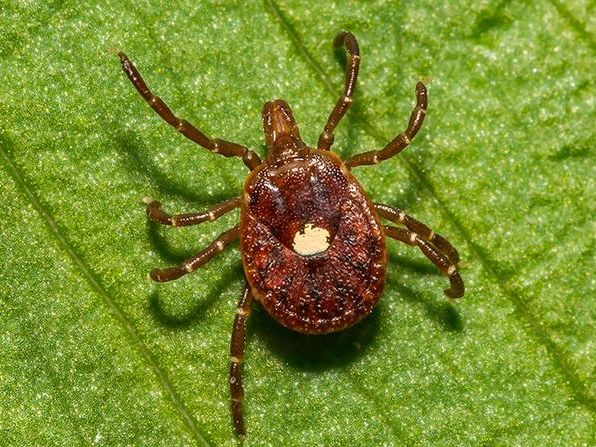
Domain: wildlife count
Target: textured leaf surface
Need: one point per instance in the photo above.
(91, 353)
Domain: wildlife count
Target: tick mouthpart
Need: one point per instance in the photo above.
(281, 131)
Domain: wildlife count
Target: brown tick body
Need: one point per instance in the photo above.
(324, 291)
(312, 243)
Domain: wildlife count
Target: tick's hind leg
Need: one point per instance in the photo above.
(446, 267)
(397, 216)
(225, 148)
(348, 40)
(156, 213)
(400, 142)
(236, 357)
(196, 261)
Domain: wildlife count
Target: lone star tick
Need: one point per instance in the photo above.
(312, 242)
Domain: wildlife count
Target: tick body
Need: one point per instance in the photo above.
(331, 281)
(313, 244)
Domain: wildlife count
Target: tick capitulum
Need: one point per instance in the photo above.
(312, 243)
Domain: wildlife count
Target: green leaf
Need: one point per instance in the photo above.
(91, 353)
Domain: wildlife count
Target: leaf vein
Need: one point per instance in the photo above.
(578, 388)
(575, 23)
(90, 276)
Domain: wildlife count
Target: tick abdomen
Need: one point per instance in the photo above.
(313, 247)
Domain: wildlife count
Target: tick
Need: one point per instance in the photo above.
(312, 242)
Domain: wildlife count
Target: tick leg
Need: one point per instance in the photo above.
(441, 261)
(225, 148)
(196, 261)
(156, 213)
(236, 357)
(348, 40)
(400, 142)
(397, 216)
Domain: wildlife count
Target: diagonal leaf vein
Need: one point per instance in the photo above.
(6, 146)
(560, 360)
(575, 23)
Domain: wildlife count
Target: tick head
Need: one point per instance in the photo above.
(282, 135)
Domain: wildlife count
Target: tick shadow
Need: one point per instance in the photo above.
(407, 263)
(315, 353)
(135, 157)
(440, 310)
(195, 314)
(174, 256)
(168, 252)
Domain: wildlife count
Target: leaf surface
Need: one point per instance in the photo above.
(91, 353)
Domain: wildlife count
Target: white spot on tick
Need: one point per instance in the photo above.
(311, 240)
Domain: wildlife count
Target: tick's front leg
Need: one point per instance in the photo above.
(225, 148)
(400, 142)
(349, 41)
